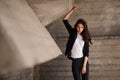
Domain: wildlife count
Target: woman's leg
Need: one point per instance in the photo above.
(76, 68)
(86, 75)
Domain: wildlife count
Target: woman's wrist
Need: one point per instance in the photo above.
(84, 65)
(72, 9)
(85, 61)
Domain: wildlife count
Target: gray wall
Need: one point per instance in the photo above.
(25, 74)
(103, 21)
(24, 39)
(49, 10)
(103, 16)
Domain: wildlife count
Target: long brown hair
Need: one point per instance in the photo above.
(85, 33)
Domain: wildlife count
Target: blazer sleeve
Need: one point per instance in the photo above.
(68, 26)
(86, 49)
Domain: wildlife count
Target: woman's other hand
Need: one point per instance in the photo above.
(83, 70)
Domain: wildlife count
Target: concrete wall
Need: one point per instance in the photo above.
(104, 62)
(97, 13)
(50, 10)
(103, 16)
(103, 21)
(24, 74)
(24, 38)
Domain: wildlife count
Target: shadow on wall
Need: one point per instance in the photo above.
(25, 74)
(115, 30)
(1, 78)
(56, 69)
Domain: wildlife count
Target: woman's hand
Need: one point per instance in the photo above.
(75, 7)
(70, 12)
(83, 70)
(84, 65)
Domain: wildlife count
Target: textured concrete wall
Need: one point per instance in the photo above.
(96, 12)
(102, 16)
(28, 42)
(49, 10)
(25, 74)
(24, 39)
(104, 62)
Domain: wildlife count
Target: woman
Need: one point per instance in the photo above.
(77, 48)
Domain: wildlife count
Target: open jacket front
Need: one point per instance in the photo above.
(71, 40)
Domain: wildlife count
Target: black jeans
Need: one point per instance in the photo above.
(77, 69)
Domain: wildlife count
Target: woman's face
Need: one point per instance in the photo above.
(80, 28)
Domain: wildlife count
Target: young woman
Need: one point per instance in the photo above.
(77, 48)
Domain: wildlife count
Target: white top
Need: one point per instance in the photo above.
(77, 50)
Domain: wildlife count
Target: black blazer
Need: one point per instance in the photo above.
(71, 40)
